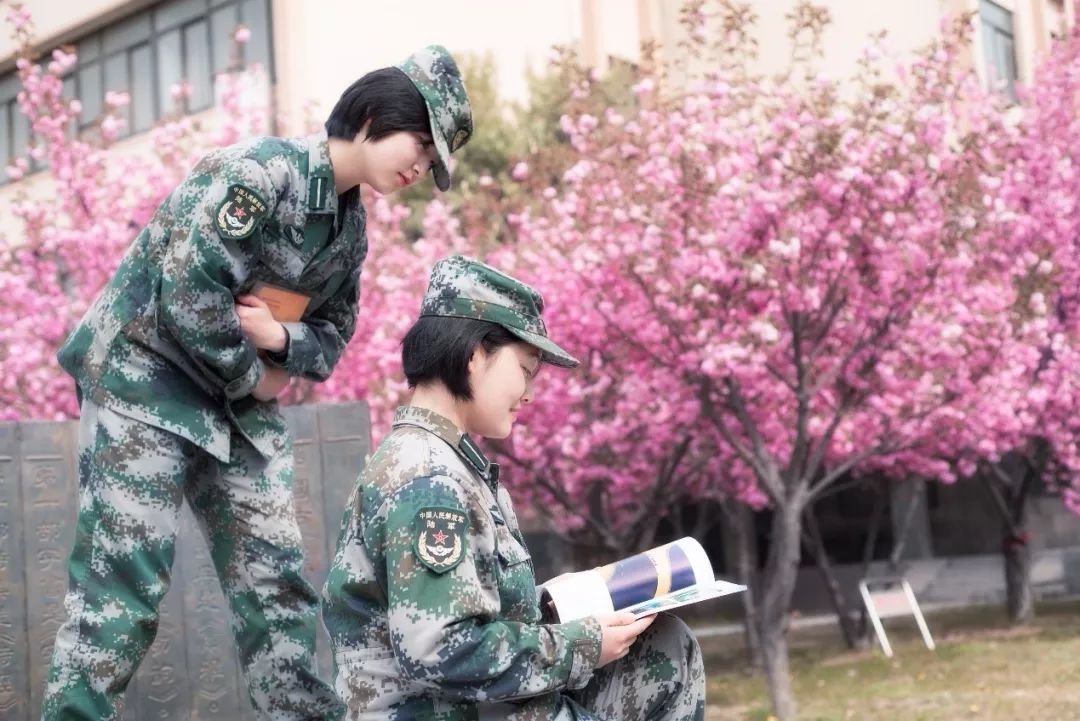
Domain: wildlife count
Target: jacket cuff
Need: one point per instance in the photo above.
(583, 639)
(245, 384)
(300, 345)
(280, 359)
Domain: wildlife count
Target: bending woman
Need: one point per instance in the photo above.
(431, 601)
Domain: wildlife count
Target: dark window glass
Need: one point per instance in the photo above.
(125, 33)
(20, 133)
(142, 89)
(197, 64)
(69, 92)
(170, 68)
(90, 93)
(145, 55)
(116, 75)
(89, 49)
(223, 22)
(5, 139)
(999, 50)
(9, 86)
(116, 80)
(254, 14)
(171, 14)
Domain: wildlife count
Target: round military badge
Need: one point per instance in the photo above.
(459, 139)
(240, 213)
(439, 537)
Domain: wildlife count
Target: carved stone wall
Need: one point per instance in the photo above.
(191, 671)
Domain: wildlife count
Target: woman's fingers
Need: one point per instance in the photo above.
(252, 301)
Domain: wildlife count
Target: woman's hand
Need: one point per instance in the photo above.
(620, 630)
(273, 382)
(258, 324)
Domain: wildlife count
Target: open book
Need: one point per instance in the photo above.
(673, 575)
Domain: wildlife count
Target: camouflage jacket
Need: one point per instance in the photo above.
(162, 342)
(431, 602)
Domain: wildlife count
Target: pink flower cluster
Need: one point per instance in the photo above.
(71, 240)
(770, 285)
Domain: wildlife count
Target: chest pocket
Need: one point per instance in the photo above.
(283, 254)
(318, 232)
(303, 242)
(517, 581)
(511, 552)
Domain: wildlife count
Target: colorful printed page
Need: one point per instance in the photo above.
(673, 575)
(657, 572)
(685, 597)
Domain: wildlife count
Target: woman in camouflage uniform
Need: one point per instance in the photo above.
(178, 364)
(431, 601)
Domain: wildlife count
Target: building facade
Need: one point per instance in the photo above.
(313, 50)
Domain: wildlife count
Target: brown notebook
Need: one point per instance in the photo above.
(287, 306)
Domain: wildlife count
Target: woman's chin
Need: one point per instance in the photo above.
(503, 431)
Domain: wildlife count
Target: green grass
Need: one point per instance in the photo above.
(982, 669)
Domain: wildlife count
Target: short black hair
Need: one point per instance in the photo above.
(438, 348)
(387, 98)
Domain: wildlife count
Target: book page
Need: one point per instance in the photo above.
(685, 597)
(578, 595)
(657, 572)
(643, 577)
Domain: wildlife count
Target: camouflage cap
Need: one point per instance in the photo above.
(461, 287)
(436, 76)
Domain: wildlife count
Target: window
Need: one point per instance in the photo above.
(145, 54)
(14, 126)
(999, 45)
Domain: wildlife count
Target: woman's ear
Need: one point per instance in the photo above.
(478, 360)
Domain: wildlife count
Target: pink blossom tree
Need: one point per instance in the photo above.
(70, 242)
(1041, 189)
(773, 284)
(827, 281)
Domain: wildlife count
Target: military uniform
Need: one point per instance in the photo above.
(431, 601)
(165, 377)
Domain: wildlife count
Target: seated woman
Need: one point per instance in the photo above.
(431, 602)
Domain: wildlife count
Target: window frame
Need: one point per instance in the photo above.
(997, 27)
(95, 58)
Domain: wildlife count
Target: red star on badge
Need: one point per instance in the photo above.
(440, 538)
(239, 213)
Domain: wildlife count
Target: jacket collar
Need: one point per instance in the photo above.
(445, 429)
(318, 186)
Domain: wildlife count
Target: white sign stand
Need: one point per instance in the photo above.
(890, 597)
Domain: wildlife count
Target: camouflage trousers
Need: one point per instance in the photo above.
(133, 478)
(661, 679)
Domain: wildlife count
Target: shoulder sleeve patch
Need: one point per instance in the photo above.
(240, 213)
(439, 537)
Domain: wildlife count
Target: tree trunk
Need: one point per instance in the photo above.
(746, 570)
(863, 632)
(779, 584)
(901, 539)
(1010, 482)
(775, 652)
(848, 627)
(1020, 599)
